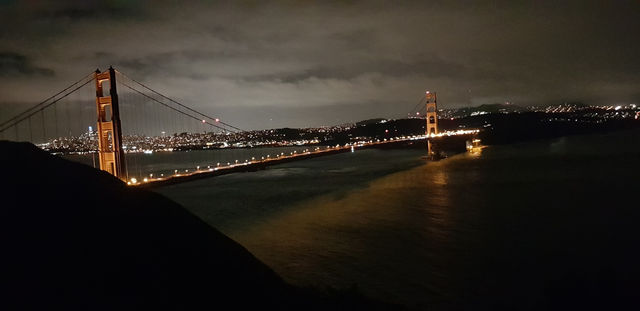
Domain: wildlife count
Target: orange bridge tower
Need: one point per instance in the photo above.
(109, 133)
(431, 127)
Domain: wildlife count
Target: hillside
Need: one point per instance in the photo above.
(77, 238)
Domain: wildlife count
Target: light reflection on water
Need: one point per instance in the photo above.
(508, 228)
(397, 231)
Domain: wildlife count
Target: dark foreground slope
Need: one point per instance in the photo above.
(73, 237)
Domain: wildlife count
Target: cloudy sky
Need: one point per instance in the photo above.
(266, 64)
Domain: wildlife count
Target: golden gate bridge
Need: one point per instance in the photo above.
(128, 113)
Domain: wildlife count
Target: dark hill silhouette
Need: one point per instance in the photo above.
(77, 238)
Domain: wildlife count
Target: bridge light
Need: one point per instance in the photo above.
(217, 120)
(204, 121)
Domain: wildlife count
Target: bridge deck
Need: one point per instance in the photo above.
(256, 165)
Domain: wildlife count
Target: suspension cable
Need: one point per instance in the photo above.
(418, 104)
(4, 126)
(172, 108)
(177, 103)
(44, 101)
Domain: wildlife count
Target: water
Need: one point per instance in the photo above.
(527, 226)
(166, 163)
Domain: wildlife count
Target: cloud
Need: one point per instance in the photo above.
(366, 56)
(14, 64)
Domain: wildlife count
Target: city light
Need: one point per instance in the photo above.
(349, 146)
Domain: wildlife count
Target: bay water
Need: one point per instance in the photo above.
(527, 226)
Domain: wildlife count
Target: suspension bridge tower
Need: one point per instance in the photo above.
(110, 150)
(431, 127)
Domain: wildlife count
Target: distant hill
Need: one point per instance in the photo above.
(573, 103)
(488, 108)
(370, 121)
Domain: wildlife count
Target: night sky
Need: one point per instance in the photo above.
(306, 63)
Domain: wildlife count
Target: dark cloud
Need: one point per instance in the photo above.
(436, 68)
(77, 10)
(14, 64)
(364, 56)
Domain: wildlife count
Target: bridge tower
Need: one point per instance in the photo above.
(110, 149)
(431, 127)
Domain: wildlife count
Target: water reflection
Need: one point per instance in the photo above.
(503, 229)
(403, 217)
